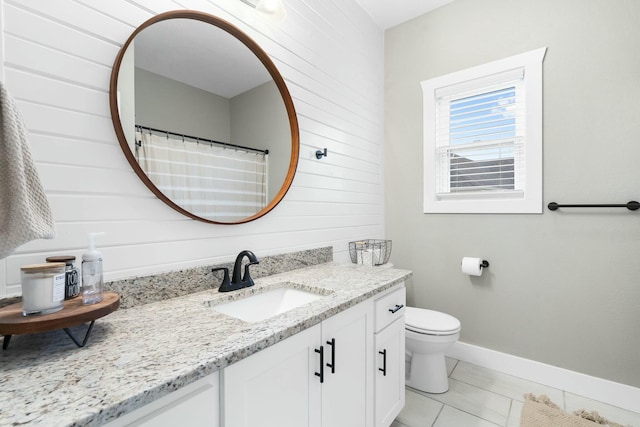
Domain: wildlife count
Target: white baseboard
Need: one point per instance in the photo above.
(620, 395)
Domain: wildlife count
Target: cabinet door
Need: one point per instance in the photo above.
(195, 405)
(389, 373)
(276, 387)
(347, 396)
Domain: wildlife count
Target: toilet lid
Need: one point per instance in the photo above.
(430, 322)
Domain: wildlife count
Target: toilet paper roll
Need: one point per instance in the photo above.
(472, 266)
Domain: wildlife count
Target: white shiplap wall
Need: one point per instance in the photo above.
(56, 62)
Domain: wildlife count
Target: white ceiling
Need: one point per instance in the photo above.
(200, 55)
(389, 13)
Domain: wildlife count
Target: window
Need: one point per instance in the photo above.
(483, 138)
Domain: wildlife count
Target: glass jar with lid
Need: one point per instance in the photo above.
(42, 288)
(72, 277)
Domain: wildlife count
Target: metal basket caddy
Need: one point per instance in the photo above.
(370, 251)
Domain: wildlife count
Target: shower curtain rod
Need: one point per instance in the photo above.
(198, 139)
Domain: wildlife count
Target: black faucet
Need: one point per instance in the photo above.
(238, 281)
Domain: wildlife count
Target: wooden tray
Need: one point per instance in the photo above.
(72, 314)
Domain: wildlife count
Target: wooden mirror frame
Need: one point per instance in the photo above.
(271, 68)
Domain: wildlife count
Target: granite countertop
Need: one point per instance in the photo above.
(137, 355)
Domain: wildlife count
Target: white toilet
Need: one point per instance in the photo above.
(428, 335)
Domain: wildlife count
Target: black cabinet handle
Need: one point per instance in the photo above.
(396, 308)
(321, 373)
(384, 362)
(332, 365)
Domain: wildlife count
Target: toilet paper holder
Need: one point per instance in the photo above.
(473, 266)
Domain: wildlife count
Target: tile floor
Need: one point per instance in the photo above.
(481, 397)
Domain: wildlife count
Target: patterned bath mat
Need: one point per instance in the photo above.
(540, 411)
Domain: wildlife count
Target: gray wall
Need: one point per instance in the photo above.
(167, 104)
(256, 122)
(563, 288)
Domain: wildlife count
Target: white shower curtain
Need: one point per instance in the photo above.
(211, 181)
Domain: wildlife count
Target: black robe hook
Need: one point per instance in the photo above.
(320, 154)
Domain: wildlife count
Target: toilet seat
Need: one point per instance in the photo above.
(430, 322)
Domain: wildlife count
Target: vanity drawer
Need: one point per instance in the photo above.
(390, 307)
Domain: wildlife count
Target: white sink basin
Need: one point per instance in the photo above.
(267, 304)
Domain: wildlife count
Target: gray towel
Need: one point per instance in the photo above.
(25, 214)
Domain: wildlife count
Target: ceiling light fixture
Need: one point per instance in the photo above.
(273, 9)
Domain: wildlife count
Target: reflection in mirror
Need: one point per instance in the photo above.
(204, 117)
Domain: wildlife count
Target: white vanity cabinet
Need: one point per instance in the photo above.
(347, 340)
(347, 371)
(389, 364)
(196, 405)
(316, 378)
(276, 386)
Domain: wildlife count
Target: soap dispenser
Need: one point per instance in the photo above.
(92, 273)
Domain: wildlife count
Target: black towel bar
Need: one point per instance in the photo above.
(632, 206)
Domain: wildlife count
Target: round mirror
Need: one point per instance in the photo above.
(204, 117)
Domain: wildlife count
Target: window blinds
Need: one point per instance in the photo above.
(480, 130)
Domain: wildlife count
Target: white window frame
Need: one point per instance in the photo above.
(528, 201)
